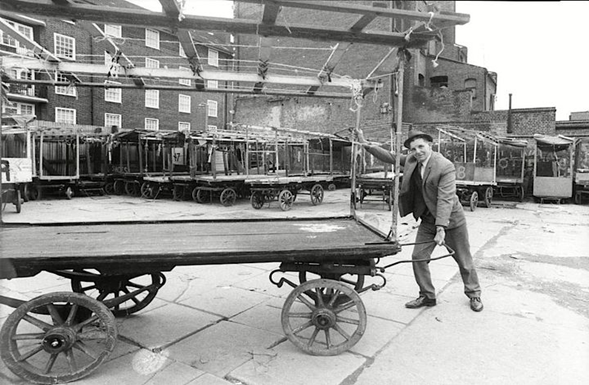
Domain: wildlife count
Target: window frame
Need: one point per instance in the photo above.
(152, 41)
(212, 108)
(63, 90)
(212, 84)
(56, 38)
(185, 82)
(120, 120)
(213, 57)
(113, 91)
(186, 102)
(20, 28)
(59, 110)
(151, 63)
(186, 124)
(116, 27)
(157, 124)
(155, 100)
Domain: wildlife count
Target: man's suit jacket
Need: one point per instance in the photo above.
(439, 187)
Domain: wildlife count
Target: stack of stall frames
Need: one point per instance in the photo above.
(553, 167)
(94, 162)
(474, 154)
(511, 161)
(56, 166)
(581, 186)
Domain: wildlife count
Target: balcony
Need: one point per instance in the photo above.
(27, 93)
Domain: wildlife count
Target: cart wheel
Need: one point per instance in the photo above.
(285, 200)
(316, 194)
(202, 196)
(132, 188)
(363, 195)
(323, 317)
(18, 201)
(355, 280)
(474, 200)
(331, 187)
(178, 192)
(146, 190)
(109, 188)
(104, 287)
(58, 337)
(69, 192)
(228, 197)
(488, 196)
(257, 200)
(35, 193)
(522, 193)
(25, 192)
(119, 187)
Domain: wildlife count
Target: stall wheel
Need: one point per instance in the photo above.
(488, 197)
(522, 193)
(228, 197)
(69, 192)
(202, 195)
(474, 200)
(323, 317)
(317, 194)
(18, 200)
(109, 188)
(119, 187)
(178, 192)
(35, 193)
(146, 190)
(285, 199)
(141, 289)
(58, 337)
(257, 199)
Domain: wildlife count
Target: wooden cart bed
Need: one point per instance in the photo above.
(25, 251)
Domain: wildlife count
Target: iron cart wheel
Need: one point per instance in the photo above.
(316, 194)
(228, 197)
(178, 192)
(58, 337)
(119, 187)
(522, 193)
(69, 192)
(18, 200)
(35, 192)
(109, 188)
(143, 288)
(355, 280)
(285, 200)
(323, 317)
(257, 199)
(474, 200)
(202, 195)
(488, 197)
(146, 190)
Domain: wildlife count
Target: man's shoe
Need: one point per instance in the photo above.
(420, 302)
(476, 304)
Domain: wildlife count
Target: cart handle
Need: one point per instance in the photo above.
(450, 253)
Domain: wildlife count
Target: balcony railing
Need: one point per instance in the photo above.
(28, 90)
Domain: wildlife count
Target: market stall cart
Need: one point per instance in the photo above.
(581, 186)
(511, 161)
(553, 168)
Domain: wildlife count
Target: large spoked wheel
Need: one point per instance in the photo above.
(521, 193)
(474, 200)
(109, 188)
(257, 200)
(488, 197)
(354, 280)
(35, 192)
(316, 194)
(58, 337)
(178, 192)
(324, 317)
(119, 187)
(228, 197)
(146, 190)
(285, 200)
(202, 195)
(141, 289)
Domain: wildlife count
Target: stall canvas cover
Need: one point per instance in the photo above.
(16, 170)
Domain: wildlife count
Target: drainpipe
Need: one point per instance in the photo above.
(509, 122)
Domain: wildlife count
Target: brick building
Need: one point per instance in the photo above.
(134, 107)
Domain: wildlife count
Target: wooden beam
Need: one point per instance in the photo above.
(174, 73)
(388, 64)
(137, 17)
(270, 13)
(269, 92)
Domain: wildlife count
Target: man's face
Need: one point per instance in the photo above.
(421, 149)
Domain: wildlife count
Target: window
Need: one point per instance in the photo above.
(113, 120)
(185, 82)
(181, 51)
(212, 108)
(151, 63)
(107, 58)
(65, 115)
(471, 85)
(212, 84)
(8, 40)
(22, 89)
(213, 58)
(64, 90)
(183, 126)
(152, 124)
(113, 30)
(211, 128)
(152, 38)
(64, 46)
(439, 81)
(19, 109)
(184, 103)
(152, 98)
(114, 95)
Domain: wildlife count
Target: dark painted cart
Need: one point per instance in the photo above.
(511, 160)
(64, 336)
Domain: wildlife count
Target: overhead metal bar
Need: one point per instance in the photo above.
(144, 18)
(327, 69)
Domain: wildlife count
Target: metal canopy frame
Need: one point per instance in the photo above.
(425, 27)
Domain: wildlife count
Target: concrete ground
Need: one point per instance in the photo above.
(221, 324)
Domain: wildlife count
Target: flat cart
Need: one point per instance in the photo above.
(474, 154)
(16, 166)
(64, 336)
(553, 168)
(510, 168)
(581, 186)
(285, 189)
(375, 187)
